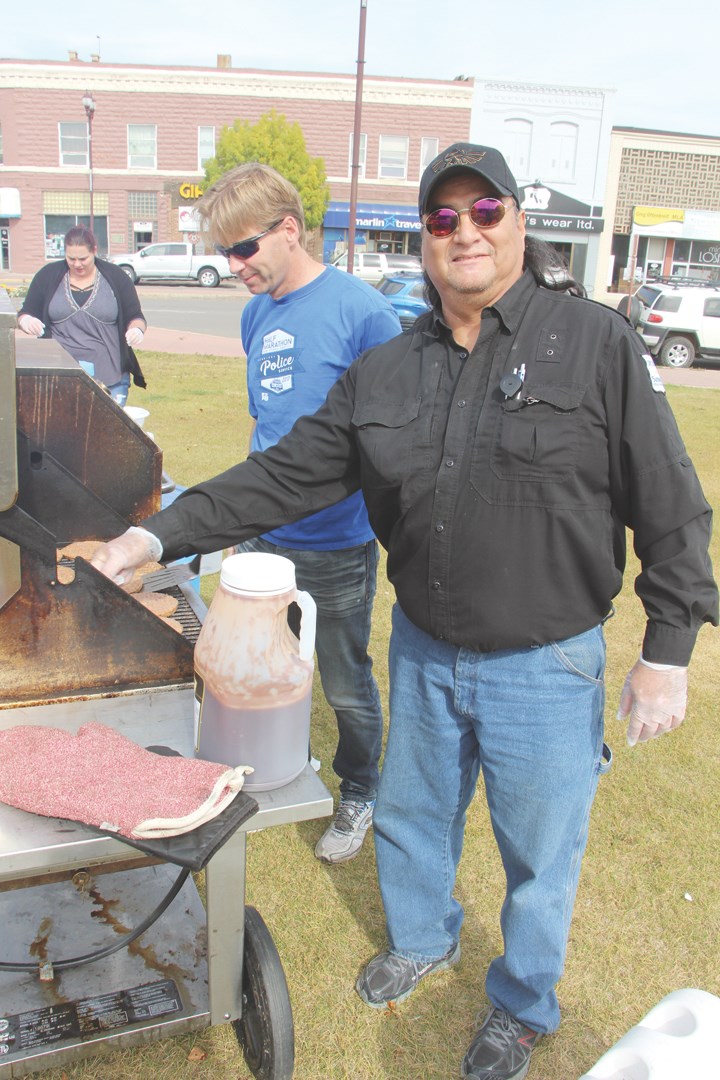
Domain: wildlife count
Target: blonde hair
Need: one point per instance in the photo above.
(252, 196)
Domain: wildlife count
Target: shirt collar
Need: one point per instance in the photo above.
(510, 307)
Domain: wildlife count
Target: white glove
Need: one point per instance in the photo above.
(118, 558)
(32, 326)
(134, 336)
(655, 699)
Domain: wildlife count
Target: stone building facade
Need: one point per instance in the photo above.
(662, 206)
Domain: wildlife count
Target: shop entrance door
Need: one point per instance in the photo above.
(4, 245)
(141, 239)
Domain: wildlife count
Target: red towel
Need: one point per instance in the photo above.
(102, 778)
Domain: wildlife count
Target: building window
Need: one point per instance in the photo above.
(393, 157)
(428, 150)
(206, 146)
(73, 144)
(563, 151)
(362, 157)
(142, 146)
(517, 144)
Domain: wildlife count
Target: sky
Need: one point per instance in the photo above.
(660, 58)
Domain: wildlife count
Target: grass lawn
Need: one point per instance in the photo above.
(647, 918)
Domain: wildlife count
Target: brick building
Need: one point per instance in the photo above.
(153, 127)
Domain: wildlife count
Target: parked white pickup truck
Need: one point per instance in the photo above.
(158, 262)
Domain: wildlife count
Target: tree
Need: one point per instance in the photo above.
(274, 141)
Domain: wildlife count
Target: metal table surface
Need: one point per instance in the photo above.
(35, 851)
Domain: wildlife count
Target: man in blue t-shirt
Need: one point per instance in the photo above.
(303, 327)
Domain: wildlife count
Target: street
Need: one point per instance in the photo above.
(185, 318)
(188, 307)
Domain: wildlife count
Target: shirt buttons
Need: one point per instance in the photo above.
(449, 463)
(461, 403)
(463, 355)
(435, 585)
(439, 527)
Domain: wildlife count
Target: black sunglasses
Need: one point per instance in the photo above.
(245, 249)
(485, 213)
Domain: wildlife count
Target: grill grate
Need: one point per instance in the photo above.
(184, 614)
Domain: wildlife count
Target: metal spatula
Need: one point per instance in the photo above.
(170, 575)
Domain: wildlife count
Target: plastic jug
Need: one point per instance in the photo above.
(677, 1039)
(253, 678)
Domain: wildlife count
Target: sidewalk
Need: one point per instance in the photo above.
(188, 343)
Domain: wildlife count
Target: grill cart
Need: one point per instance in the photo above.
(106, 946)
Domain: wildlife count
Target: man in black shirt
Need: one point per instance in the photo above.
(503, 445)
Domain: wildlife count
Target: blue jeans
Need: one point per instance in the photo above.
(119, 390)
(532, 720)
(342, 583)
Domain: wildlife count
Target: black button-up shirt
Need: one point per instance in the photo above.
(502, 508)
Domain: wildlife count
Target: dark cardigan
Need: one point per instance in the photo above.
(42, 289)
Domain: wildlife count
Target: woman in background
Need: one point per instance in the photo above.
(92, 309)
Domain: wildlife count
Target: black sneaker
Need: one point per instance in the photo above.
(389, 977)
(500, 1050)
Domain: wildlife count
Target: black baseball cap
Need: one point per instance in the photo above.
(486, 161)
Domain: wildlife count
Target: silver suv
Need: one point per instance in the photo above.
(677, 318)
(373, 265)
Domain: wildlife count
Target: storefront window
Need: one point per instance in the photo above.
(56, 225)
(705, 255)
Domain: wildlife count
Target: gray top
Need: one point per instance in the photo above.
(88, 330)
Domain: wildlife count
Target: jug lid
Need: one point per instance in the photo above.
(258, 573)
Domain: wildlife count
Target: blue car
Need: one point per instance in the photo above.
(405, 293)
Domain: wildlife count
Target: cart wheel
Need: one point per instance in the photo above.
(265, 1029)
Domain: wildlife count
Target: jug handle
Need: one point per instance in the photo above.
(308, 611)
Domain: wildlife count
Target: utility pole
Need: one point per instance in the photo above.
(355, 167)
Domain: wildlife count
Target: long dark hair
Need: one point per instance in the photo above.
(544, 263)
(81, 236)
(549, 268)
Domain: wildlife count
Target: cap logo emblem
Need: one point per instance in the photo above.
(459, 157)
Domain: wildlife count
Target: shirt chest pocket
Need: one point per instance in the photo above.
(536, 437)
(385, 433)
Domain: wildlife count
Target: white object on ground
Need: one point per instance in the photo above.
(677, 1038)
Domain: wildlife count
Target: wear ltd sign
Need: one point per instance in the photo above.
(566, 223)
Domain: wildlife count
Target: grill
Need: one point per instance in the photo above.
(76, 467)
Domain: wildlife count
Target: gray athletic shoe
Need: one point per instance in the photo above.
(344, 838)
(389, 977)
(501, 1049)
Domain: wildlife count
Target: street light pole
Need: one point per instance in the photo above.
(89, 105)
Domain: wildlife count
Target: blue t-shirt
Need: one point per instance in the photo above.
(297, 347)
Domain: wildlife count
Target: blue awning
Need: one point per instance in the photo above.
(384, 216)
